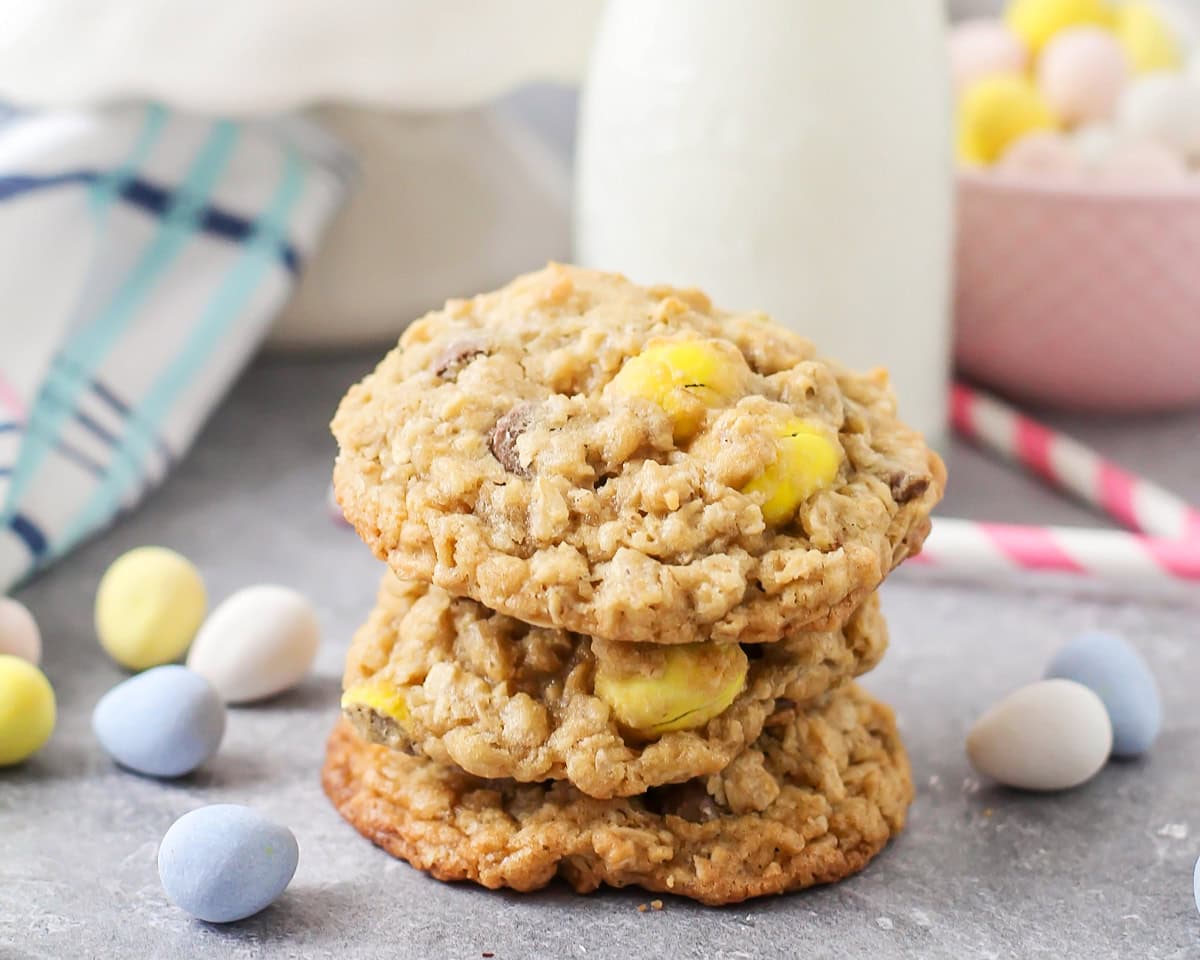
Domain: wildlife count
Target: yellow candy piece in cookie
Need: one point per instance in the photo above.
(1147, 39)
(149, 605)
(685, 378)
(997, 112)
(697, 682)
(378, 695)
(807, 461)
(27, 709)
(1037, 21)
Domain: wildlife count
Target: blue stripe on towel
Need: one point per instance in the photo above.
(213, 220)
(17, 185)
(91, 345)
(28, 531)
(108, 396)
(223, 310)
(153, 199)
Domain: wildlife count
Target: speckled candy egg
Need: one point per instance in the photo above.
(1040, 154)
(165, 722)
(258, 643)
(994, 114)
(226, 862)
(981, 48)
(148, 606)
(19, 634)
(1163, 107)
(27, 710)
(1081, 74)
(1050, 735)
(1118, 675)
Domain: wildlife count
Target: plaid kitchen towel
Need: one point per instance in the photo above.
(143, 255)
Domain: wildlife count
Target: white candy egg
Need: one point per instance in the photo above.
(1163, 107)
(1181, 19)
(1094, 143)
(1081, 74)
(1050, 735)
(1042, 153)
(19, 634)
(258, 643)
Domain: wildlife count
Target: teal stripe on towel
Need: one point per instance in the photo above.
(87, 349)
(108, 187)
(261, 254)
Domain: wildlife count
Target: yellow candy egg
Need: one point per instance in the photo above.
(378, 695)
(1037, 21)
(1147, 39)
(149, 605)
(994, 114)
(27, 710)
(697, 682)
(807, 461)
(685, 378)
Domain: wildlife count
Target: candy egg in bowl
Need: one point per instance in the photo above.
(1080, 295)
(1079, 206)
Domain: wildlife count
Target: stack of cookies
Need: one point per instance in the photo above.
(633, 544)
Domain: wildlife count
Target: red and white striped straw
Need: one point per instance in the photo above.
(970, 548)
(1133, 501)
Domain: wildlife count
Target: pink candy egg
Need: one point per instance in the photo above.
(1141, 163)
(1081, 73)
(1040, 154)
(981, 48)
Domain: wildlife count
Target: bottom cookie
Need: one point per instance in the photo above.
(819, 794)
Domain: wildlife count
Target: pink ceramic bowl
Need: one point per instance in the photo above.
(1079, 296)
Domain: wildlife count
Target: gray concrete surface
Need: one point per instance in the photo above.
(1101, 872)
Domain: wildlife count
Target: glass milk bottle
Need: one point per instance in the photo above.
(785, 155)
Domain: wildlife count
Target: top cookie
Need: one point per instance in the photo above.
(630, 463)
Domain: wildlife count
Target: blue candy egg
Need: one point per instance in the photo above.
(162, 723)
(1196, 884)
(1116, 672)
(226, 862)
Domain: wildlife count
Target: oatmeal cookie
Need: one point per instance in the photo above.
(631, 464)
(818, 795)
(450, 679)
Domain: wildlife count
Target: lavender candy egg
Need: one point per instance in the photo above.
(1118, 675)
(164, 722)
(226, 862)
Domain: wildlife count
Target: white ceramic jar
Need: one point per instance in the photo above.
(787, 155)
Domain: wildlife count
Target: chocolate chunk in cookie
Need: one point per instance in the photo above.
(456, 356)
(503, 442)
(908, 486)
